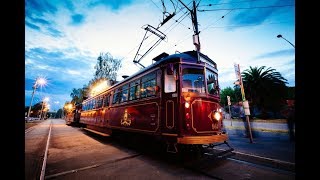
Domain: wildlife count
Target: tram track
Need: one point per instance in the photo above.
(207, 163)
(91, 166)
(28, 130)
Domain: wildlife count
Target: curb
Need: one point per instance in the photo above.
(274, 163)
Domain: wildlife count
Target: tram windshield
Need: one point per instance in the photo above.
(193, 80)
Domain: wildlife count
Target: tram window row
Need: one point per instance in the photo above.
(141, 88)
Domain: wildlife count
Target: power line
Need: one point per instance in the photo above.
(230, 3)
(216, 20)
(203, 10)
(250, 25)
(156, 5)
(175, 23)
(201, 30)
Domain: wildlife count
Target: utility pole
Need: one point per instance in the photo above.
(245, 103)
(229, 103)
(196, 39)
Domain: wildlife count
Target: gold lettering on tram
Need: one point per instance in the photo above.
(126, 119)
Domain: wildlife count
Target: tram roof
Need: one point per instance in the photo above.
(184, 55)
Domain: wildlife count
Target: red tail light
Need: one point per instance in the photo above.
(187, 116)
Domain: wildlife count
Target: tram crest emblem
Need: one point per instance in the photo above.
(126, 119)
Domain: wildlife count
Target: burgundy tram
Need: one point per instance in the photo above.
(72, 116)
(175, 99)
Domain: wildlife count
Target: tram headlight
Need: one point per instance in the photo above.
(186, 104)
(217, 115)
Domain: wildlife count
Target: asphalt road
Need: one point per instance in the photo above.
(76, 154)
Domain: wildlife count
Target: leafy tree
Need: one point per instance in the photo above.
(59, 114)
(234, 94)
(107, 67)
(35, 109)
(290, 93)
(78, 95)
(264, 88)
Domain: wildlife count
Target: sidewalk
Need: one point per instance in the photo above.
(270, 147)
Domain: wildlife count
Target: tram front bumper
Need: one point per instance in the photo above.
(202, 139)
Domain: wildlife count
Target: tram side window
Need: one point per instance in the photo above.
(212, 82)
(84, 107)
(124, 96)
(134, 90)
(117, 95)
(99, 102)
(106, 100)
(170, 82)
(93, 104)
(148, 85)
(89, 105)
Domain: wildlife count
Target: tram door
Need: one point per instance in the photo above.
(169, 100)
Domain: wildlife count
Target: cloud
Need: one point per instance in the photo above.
(39, 7)
(54, 32)
(77, 19)
(257, 16)
(285, 52)
(59, 65)
(39, 20)
(32, 26)
(113, 4)
(73, 72)
(69, 5)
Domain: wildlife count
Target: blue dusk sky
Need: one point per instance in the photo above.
(63, 38)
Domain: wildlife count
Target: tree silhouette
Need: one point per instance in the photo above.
(265, 88)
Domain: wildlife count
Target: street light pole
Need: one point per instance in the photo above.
(39, 81)
(34, 89)
(280, 36)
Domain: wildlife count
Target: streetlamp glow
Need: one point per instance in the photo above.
(280, 36)
(39, 82)
(99, 87)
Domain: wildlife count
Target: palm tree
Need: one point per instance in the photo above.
(265, 88)
(75, 95)
(78, 95)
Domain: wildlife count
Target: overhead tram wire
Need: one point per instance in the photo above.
(216, 20)
(230, 10)
(261, 7)
(187, 36)
(126, 56)
(176, 21)
(185, 15)
(156, 5)
(230, 3)
(251, 24)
